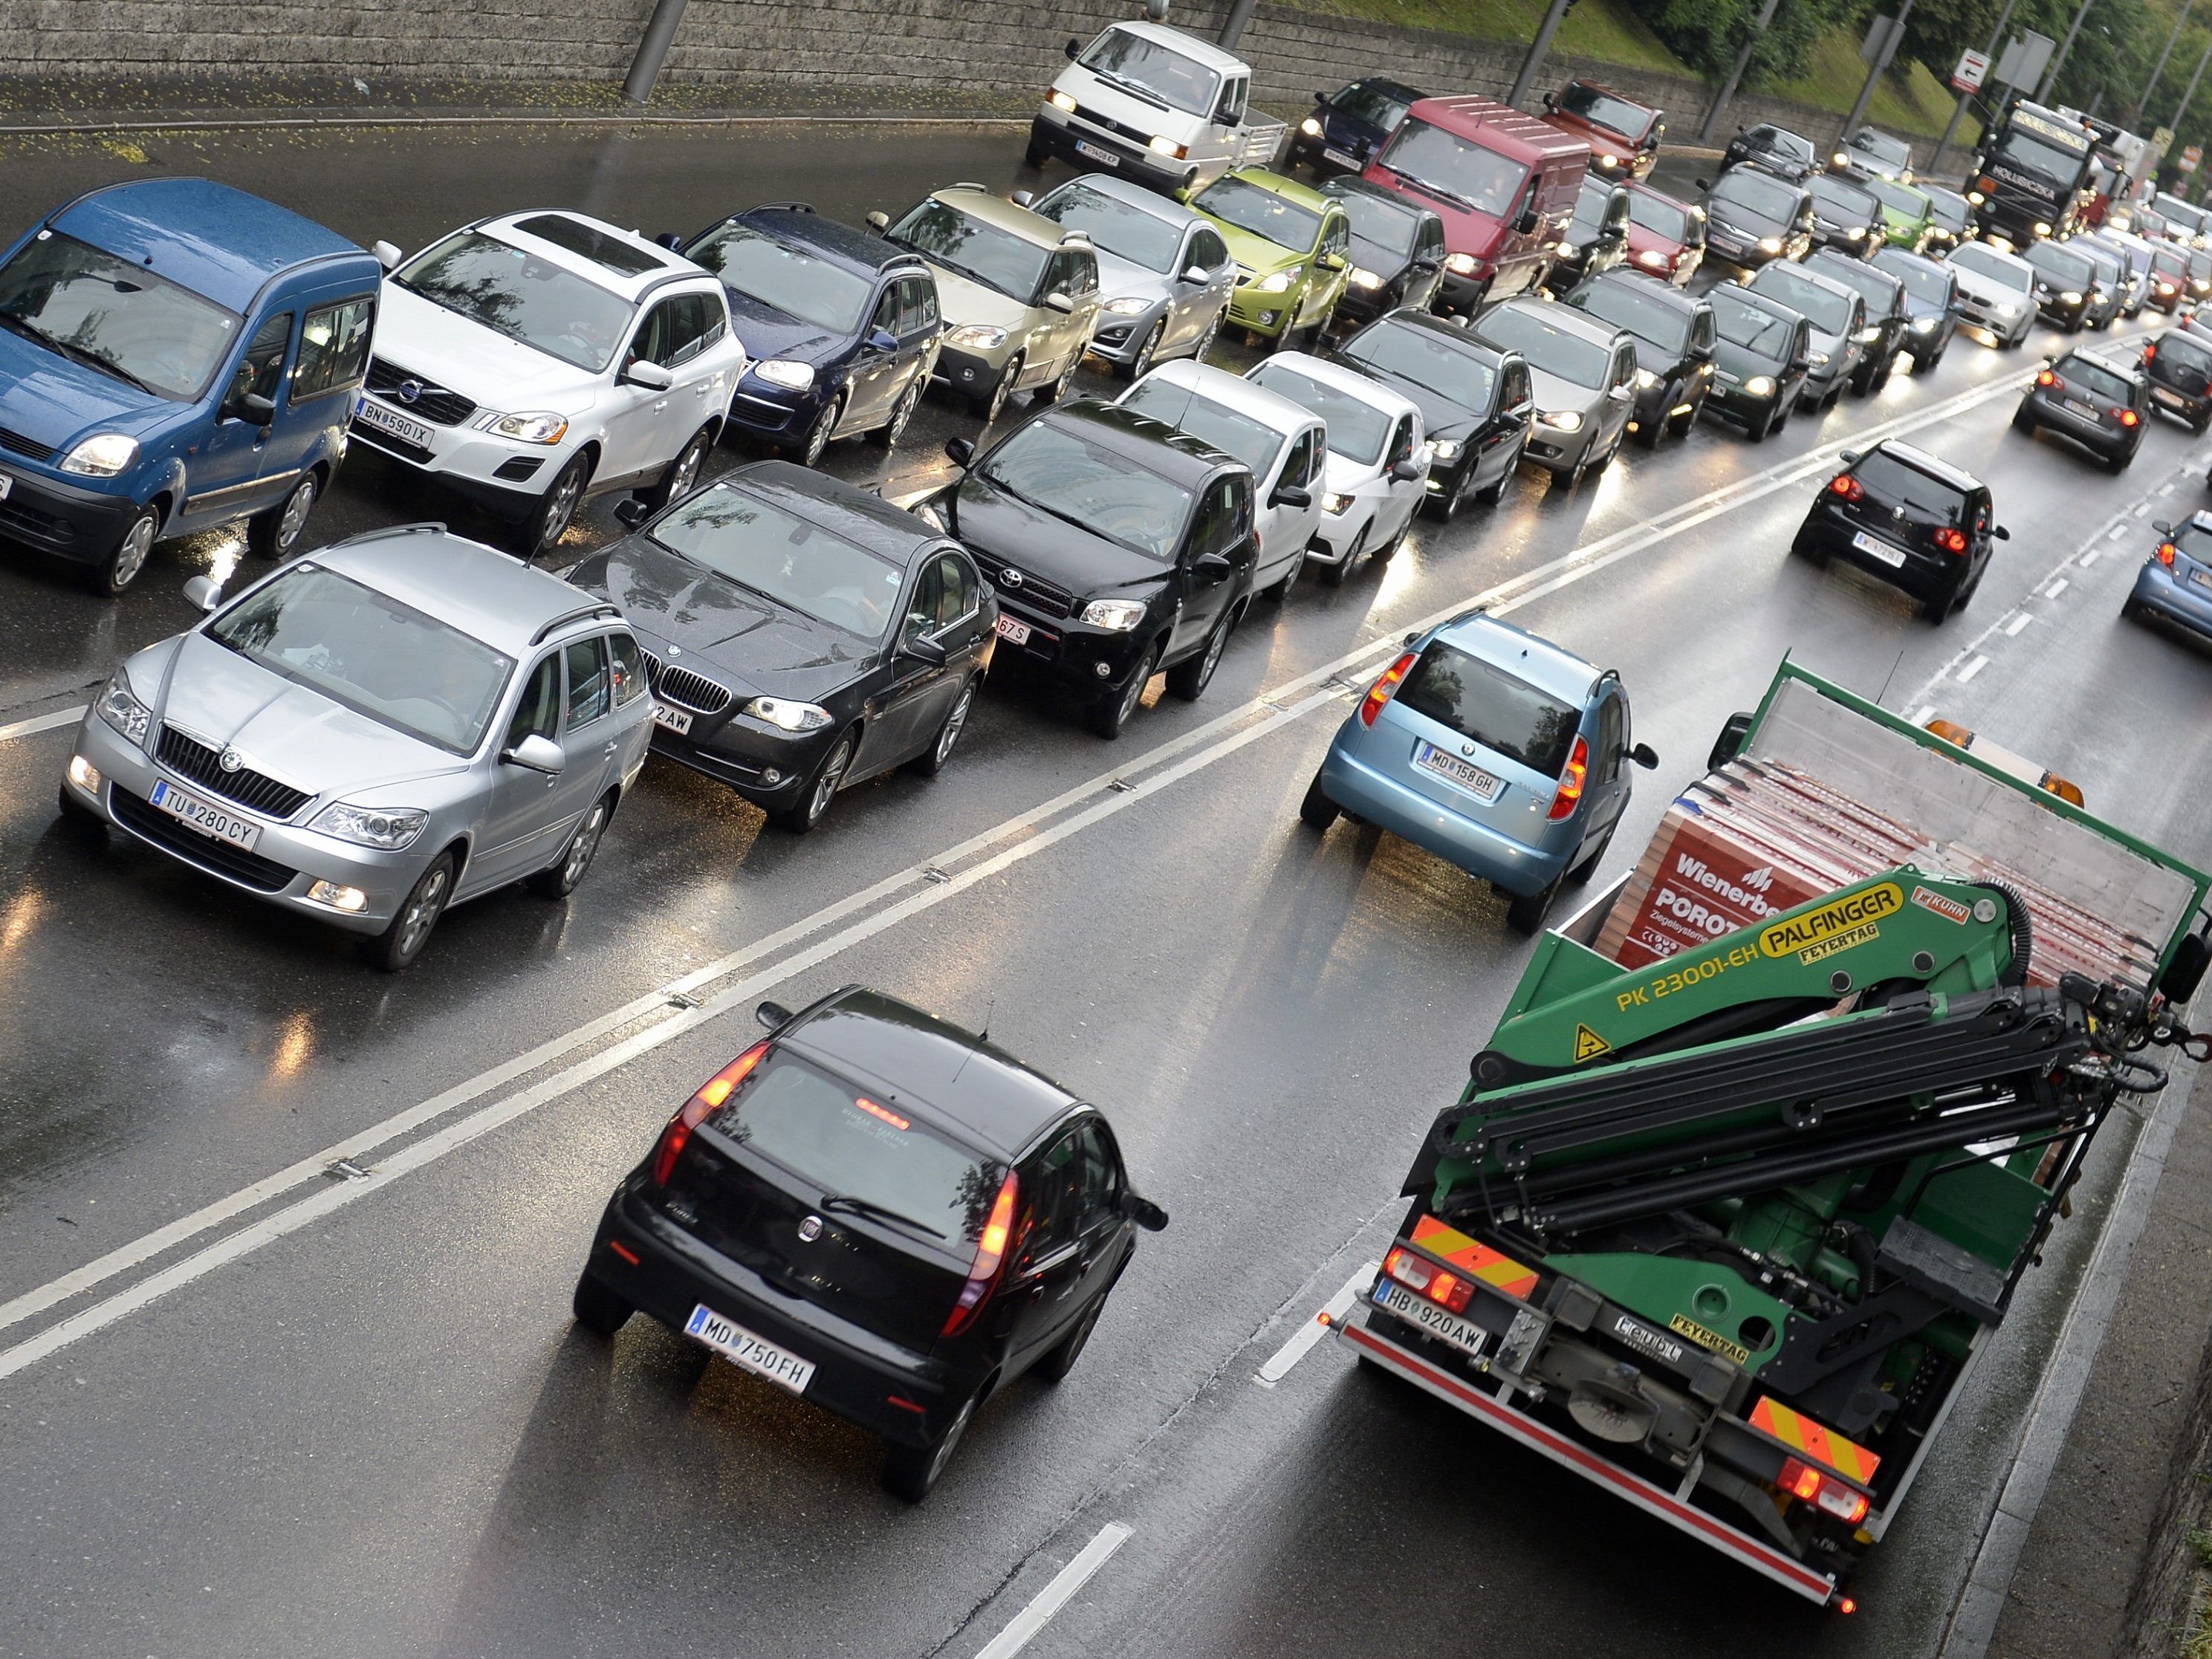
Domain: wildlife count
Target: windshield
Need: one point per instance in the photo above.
(1879, 288)
(1659, 215)
(788, 278)
(1922, 280)
(1426, 359)
(2168, 262)
(1546, 345)
(783, 558)
(2095, 377)
(89, 305)
(1744, 324)
(1892, 481)
(370, 652)
(1589, 209)
(1602, 109)
(2055, 163)
(1845, 203)
(1385, 225)
(1768, 198)
(1357, 429)
(1253, 442)
(1057, 470)
(940, 232)
(1506, 715)
(2061, 264)
(1115, 226)
(1948, 208)
(1830, 312)
(1146, 67)
(1788, 143)
(1627, 304)
(2178, 212)
(1998, 267)
(1885, 150)
(524, 297)
(1458, 169)
(1900, 199)
(1251, 207)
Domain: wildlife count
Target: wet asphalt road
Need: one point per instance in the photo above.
(364, 1425)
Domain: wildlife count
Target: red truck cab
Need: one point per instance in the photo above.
(1623, 134)
(1504, 182)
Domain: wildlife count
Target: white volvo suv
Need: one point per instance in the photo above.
(528, 361)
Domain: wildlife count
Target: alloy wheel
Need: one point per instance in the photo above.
(817, 436)
(1143, 361)
(560, 510)
(955, 723)
(586, 844)
(825, 783)
(294, 517)
(685, 472)
(1004, 390)
(901, 412)
(131, 556)
(424, 906)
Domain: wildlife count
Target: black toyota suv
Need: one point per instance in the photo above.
(1397, 250)
(1761, 358)
(1118, 546)
(1674, 334)
(1910, 518)
(1474, 397)
(2065, 277)
(2101, 408)
(1597, 236)
(2178, 366)
(883, 1214)
(1888, 314)
(1773, 149)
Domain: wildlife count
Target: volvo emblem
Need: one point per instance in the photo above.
(408, 391)
(809, 1229)
(231, 760)
(1011, 578)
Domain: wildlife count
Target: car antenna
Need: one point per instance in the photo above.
(982, 1037)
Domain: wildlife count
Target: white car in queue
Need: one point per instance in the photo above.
(1286, 447)
(1377, 473)
(530, 360)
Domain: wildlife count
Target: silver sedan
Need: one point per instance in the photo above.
(376, 731)
(1164, 274)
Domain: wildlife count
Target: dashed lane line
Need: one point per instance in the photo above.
(1023, 1626)
(1303, 1339)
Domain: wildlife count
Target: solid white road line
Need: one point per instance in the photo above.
(1303, 1339)
(1053, 1597)
(43, 723)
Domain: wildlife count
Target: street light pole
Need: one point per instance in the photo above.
(1537, 49)
(1959, 114)
(1873, 70)
(2207, 58)
(2158, 68)
(653, 50)
(1736, 75)
(2059, 57)
(1232, 26)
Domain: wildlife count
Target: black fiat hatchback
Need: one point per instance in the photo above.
(880, 1212)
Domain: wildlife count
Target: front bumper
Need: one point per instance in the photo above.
(2184, 603)
(1729, 397)
(1119, 334)
(774, 415)
(1091, 662)
(68, 520)
(1056, 135)
(499, 474)
(1267, 314)
(1558, 450)
(1366, 792)
(1984, 314)
(972, 373)
(1336, 534)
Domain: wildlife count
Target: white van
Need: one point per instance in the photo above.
(1153, 104)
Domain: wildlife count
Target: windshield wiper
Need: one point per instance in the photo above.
(1130, 87)
(91, 359)
(1433, 189)
(869, 1207)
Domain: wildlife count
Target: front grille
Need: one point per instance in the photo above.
(681, 685)
(1033, 592)
(257, 792)
(247, 869)
(1141, 139)
(23, 445)
(434, 404)
(22, 518)
(388, 444)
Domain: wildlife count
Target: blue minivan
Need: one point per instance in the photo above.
(175, 355)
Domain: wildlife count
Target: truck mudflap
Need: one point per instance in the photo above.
(1672, 1507)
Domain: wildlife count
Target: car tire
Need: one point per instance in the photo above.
(1317, 811)
(1649, 433)
(683, 472)
(275, 534)
(1140, 361)
(124, 560)
(1801, 548)
(820, 789)
(597, 1309)
(555, 510)
(1055, 391)
(1611, 451)
(2121, 462)
(909, 1472)
(1938, 610)
(76, 814)
(1678, 426)
(1757, 431)
(1205, 339)
(989, 407)
(887, 435)
(560, 877)
(816, 444)
(1114, 711)
(933, 760)
(1444, 507)
(1281, 590)
(2130, 611)
(396, 948)
(1188, 679)
(1336, 576)
(1060, 1359)
(2023, 421)
(1493, 493)
(1525, 912)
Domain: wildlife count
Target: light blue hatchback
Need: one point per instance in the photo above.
(1493, 748)
(2175, 582)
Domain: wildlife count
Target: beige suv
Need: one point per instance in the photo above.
(1019, 294)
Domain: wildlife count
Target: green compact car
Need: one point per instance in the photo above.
(1908, 216)
(1291, 245)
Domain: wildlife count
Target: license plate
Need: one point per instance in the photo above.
(2081, 408)
(1874, 548)
(210, 821)
(1103, 157)
(1462, 1334)
(741, 1347)
(1342, 158)
(1012, 629)
(676, 719)
(399, 426)
(2171, 399)
(1452, 770)
(2201, 577)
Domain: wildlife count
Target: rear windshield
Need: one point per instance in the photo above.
(850, 1145)
(1750, 326)
(1155, 73)
(1252, 207)
(1602, 109)
(1356, 430)
(1427, 359)
(1891, 479)
(2194, 540)
(1654, 213)
(1547, 346)
(1998, 267)
(1633, 304)
(1830, 312)
(1849, 203)
(1922, 280)
(1115, 226)
(1458, 169)
(2096, 378)
(1506, 715)
(1253, 442)
(2176, 349)
(1763, 194)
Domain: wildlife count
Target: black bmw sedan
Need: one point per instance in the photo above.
(1909, 518)
(879, 1213)
(1474, 397)
(801, 635)
(1118, 545)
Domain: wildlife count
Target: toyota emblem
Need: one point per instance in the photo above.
(809, 1229)
(408, 391)
(1011, 578)
(231, 760)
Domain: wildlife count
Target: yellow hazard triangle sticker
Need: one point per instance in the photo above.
(1588, 1045)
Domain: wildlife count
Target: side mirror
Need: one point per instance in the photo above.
(537, 753)
(203, 592)
(388, 255)
(923, 649)
(1333, 262)
(2162, 527)
(1022, 197)
(1074, 47)
(669, 239)
(1622, 394)
(1212, 567)
(879, 219)
(1323, 97)
(1184, 193)
(2001, 533)
(1290, 496)
(1409, 470)
(1195, 277)
(773, 1015)
(1702, 183)
(1527, 222)
(1849, 457)
(2178, 984)
(1729, 744)
(1059, 303)
(649, 375)
(1645, 756)
(882, 339)
(1550, 101)
(961, 452)
(1142, 1211)
(253, 409)
(632, 512)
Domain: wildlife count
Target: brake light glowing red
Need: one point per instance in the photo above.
(2052, 379)
(2150, 351)
(990, 1256)
(712, 1093)
(1572, 780)
(1823, 1490)
(2167, 552)
(1423, 1278)
(1385, 688)
(1951, 541)
(880, 1113)
(1846, 486)
(2129, 417)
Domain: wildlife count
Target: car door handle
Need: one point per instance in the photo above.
(662, 404)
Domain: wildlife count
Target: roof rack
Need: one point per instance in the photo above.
(965, 184)
(783, 207)
(580, 613)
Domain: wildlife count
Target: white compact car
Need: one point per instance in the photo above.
(1377, 474)
(530, 360)
(1996, 292)
(1285, 445)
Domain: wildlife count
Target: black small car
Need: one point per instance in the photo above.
(1910, 518)
(882, 1213)
(1845, 215)
(1760, 355)
(1349, 124)
(1397, 250)
(1674, 334)
(1597, 237)
(1773, 149)
(1931, 303)
(1752, 218)
(801, 635)
(1118, 545)
(2065, 282)
(1952, 217)
(1474, 400)
(2101, 408)
(2178, 366)
(1888, 319)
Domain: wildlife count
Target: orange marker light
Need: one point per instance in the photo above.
(693, 1112)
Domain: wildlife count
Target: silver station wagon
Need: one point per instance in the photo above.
(377, 731)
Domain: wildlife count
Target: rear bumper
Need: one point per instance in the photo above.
(2175, 401)
(1920, 574)
(2089, 432)
(1367, 793)
(2182, 603)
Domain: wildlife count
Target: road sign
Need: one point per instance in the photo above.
(2190, 157)
(1973, 69)
(2162, 140)
(2023, 59)
(1881, 32)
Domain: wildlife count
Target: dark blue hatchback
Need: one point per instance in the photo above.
(842, 326)
(1349, 124)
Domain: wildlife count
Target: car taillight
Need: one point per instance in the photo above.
(1809, 1485)
(1423, 1278)
(1951, 541)
(990, 1256)
(1383, 688)
(2150, 351)
(1572, 780)
(712, 1093)
(2129, 417)
(1846, 486)
(2052, 380)
(2167, 550)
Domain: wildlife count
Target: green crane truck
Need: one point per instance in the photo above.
(1753, 1163)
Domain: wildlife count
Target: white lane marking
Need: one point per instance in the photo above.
(2013, 627)
(43, 723)
(2116, 533)
(1507, 595)
(2055, 589)
(1303, 1339)
(1920, 716)
(2166, 488)
(2143, 510)
(1973, 668)
(1058, 1593)
(2092, 556)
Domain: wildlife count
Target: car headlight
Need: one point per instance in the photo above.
(1652, 259)
(2069, 298)
(1281, 282)
(1840, 159)
(1974, 197)
(387, 829)
(1129, 304)
(979, 336)
(1118, 615)
(1759, 386)
(1570, 251)
(540, 426)
(1169, 147)
(123, 711)
(1854, 232)
(1444, 449)
(2006, 308)
(1770, 244)
(1361, 277)
(783, 372)
(1867, 336)
(1562, 420)
(1460, 264)
(1645, 380)
(2167, 289)
(2042, 229)
(1060, 101)
(1816, 358)
(1333, 502)
(101, 456)
(787, 715)
(1310, 127)
(1606, 163)
(1923, 324)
